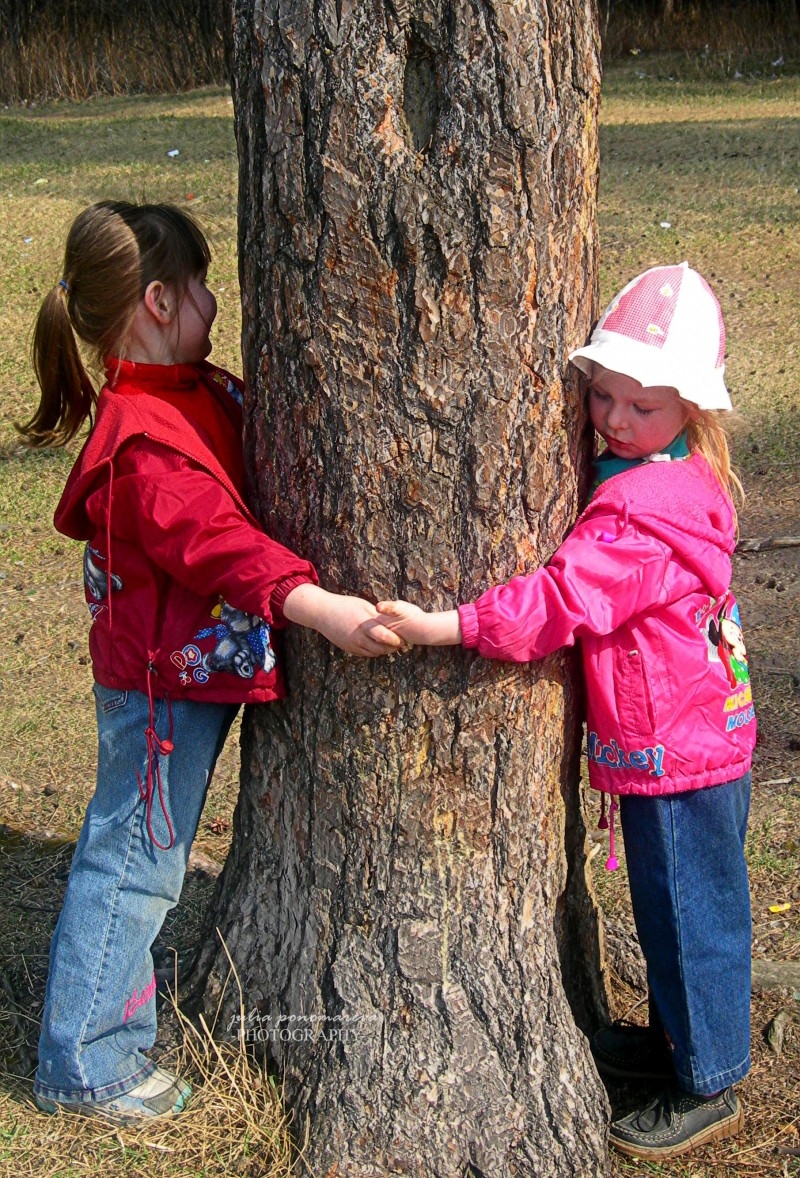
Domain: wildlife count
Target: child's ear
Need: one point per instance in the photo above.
(159, 301)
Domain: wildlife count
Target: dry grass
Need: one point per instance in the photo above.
(233, 1125)
(752, 38)
(53, 49)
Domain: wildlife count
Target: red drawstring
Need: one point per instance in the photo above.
(109, 591)
(155, 748)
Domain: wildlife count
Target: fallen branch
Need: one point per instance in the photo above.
(762, 543)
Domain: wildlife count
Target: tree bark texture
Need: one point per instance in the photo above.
(405, 899)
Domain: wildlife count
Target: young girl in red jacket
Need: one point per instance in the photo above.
(643, 581)
(185, 590)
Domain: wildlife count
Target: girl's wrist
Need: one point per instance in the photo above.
(305, 605)
(443, 628)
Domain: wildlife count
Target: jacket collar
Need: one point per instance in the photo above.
(129, 377)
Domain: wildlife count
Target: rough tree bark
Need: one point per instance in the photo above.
(405, 899)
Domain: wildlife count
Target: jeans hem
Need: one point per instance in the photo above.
(96, 1095)
(715, 1083)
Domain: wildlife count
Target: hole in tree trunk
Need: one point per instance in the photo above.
(420, 96)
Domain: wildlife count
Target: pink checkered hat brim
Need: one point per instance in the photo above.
(664, 328)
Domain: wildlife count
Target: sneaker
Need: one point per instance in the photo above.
(676, 1122)
(624, 1051)
(160, 1095)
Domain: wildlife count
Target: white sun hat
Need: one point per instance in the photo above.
(664, 328)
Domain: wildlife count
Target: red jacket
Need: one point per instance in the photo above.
(195, 585)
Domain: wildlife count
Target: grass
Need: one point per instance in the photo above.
(710, 173)
(719, 161)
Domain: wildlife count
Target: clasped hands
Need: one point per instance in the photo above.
(358, 627)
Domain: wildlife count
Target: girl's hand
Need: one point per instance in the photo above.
(351, 623)
(437, 628)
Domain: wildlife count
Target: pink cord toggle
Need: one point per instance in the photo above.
(608, 537)
(602, 823)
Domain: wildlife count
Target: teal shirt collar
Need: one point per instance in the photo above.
(606, 465)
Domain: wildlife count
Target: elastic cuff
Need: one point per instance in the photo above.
(282, 591)
(468, 616)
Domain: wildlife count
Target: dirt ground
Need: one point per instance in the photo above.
(767, 583)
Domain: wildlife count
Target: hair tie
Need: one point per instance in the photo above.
(63, 282)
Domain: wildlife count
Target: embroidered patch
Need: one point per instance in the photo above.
(227, 384)
(613, 757)
(137, 1000)
(97, 581)
(241, 647)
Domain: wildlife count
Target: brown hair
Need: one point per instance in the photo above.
(114, 251)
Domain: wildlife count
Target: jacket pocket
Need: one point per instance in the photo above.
(635, 698)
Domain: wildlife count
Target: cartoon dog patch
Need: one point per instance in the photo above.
(242, 647)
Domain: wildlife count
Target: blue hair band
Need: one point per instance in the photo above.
(63, 282)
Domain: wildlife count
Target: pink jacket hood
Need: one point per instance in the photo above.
(643, 581)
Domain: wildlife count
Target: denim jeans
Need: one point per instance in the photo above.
(691, 904)
(99, 1013)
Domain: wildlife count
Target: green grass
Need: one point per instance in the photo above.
(720, 164)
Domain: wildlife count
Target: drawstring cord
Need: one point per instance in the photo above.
(612, 863)
(109, 591)
(156, 748)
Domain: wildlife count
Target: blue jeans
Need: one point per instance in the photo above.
(99, 1013)
(691, 904)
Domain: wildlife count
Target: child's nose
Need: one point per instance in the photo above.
(617, 416)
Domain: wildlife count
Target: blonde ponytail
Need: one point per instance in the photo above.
(706, 434)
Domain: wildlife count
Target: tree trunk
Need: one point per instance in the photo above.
(405, 898)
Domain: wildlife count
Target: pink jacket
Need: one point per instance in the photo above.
(643, 580)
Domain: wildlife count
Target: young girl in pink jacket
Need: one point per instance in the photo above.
(185, 590)
(643, 581)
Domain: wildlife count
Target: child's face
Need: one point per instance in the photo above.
(633, 420)
(192, 324)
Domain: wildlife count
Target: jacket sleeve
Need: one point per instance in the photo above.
(192, 528)
(597, 580)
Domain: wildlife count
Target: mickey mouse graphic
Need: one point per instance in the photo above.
(723, 629)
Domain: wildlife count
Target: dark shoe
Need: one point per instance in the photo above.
(627, 1052)
(676, 1122)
